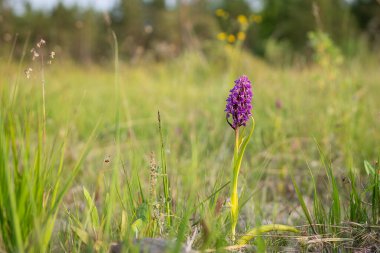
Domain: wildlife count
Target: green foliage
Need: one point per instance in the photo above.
(374, 189)
(114, 204)
(32, 182)
(326, 54)
(165, 176)
(303, 205)
(357, 209)
(291, 21)
(240, 147)
(280, 19)
(159, 31)
(367, 13)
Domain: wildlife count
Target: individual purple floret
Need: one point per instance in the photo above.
(239, 102)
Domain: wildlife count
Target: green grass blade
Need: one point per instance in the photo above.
(303, 205)
(251, 234)
(165, 177)
(335, 211)
(92, 209)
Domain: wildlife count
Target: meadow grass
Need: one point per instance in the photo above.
(90, 184)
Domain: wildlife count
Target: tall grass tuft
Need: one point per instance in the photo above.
(344, 220)
(33, 181)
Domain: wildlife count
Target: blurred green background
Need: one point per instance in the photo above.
(160, 30)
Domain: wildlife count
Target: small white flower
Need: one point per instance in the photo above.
(35, 55)
(28, 72)
(41, 43)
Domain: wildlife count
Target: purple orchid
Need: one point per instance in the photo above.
(239, 103)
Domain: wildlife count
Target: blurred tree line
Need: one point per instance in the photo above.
(152, 28)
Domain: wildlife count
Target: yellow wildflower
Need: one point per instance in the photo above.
(241, 35)
(231, 38)
(222, 36)
(242, 20)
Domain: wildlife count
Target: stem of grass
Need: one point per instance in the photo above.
(43, 100)
(165, 179)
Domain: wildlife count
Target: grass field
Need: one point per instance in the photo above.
(98, 176)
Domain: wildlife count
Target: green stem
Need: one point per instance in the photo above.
(238, 157)
(234, 193)
(236, 151)
(165, 177)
